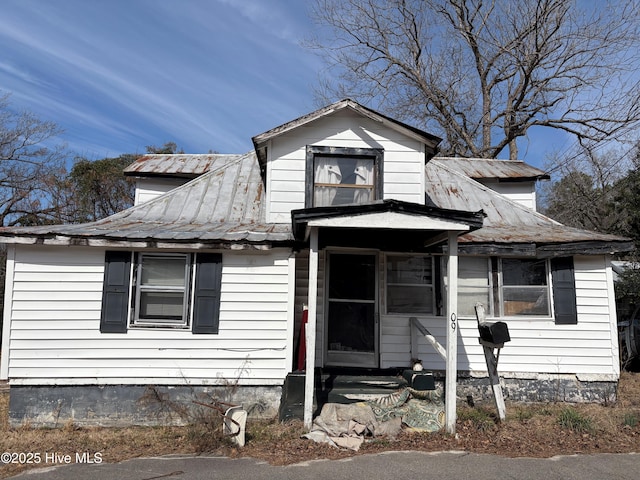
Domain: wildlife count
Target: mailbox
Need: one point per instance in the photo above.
(497, 332)
(420, 380)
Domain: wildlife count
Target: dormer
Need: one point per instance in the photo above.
(342, 154)
(156, 174)
(514, 179)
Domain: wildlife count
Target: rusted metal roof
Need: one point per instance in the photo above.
(506, 221)
(484, 168)
(178, 165)
(223, 205)
(226, 206)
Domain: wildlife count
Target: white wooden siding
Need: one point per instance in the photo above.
(537, 345)
(149, 188)
(55, 302)
(522, 192)
(403, 164)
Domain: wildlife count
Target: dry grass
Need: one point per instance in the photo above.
(536, 430)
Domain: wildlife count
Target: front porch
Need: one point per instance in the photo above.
(368, 261)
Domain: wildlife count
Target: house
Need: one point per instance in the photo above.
(200, 287)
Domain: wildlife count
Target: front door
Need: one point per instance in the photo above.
(351, 311)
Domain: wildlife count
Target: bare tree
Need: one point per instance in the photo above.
(480, 73)
(29, 170)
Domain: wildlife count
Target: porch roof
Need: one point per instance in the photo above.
(385, 215)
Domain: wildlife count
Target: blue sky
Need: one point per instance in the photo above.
(117, 75)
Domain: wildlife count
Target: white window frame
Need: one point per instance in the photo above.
(496, 287)
(184, 321)
(431, 286)
(547, 288)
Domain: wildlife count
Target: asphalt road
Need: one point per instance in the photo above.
(393, 465)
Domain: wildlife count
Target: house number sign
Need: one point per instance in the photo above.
(454, 320)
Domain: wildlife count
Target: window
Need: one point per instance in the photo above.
(162, 286)
(474, 284)
(518, 287)
(343, 176)
(410, 284)
(170, 290)
(524, 289)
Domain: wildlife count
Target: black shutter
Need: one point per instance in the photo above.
(564, 291)
(115, 292)
(206, 298)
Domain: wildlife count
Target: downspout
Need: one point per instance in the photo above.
(310, 332)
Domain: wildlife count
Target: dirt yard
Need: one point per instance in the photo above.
(532, 430)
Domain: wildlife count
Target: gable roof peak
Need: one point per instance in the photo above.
(260, 141)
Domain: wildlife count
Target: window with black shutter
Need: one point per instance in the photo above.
(161, 291)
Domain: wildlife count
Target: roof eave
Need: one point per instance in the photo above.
(143, 243)
(545, 250)
(533, 178)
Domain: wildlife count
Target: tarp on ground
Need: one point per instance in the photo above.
(347, 426)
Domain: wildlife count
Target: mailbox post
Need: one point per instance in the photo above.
(492, 338)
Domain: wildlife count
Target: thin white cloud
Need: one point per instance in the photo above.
(13, 70)
(272, 17)
(203, 74)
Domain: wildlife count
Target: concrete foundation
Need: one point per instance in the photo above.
(542, 388)
(126, 405)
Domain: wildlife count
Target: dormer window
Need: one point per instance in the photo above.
(343, 176)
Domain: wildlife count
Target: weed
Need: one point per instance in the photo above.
(70, 427)
(522, 414)
(480, 418)
(630, 420)
(270, 431)
(548, 411)
(572, 419)
(205, 434)
(201, 412)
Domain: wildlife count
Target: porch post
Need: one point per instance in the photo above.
(311, 329)
(452, 334)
